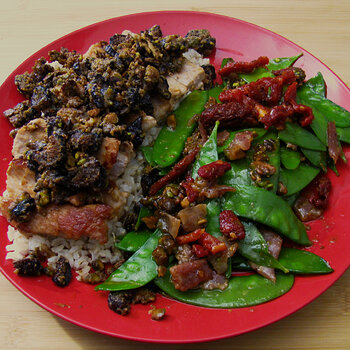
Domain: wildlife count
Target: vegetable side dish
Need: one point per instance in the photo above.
(223, 188)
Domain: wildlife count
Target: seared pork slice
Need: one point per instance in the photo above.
(19, 179)
(191, 75)
(189, 78)
(69, 222)
(125, 154)
(35, 130)
(274, 243)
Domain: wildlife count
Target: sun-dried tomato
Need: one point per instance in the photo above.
(230, 225)
(213, 244)
(200, 251)
(190, 237)
(277, 116)
(214, 170)
(243, 67)
(232, 114)
(178, 169)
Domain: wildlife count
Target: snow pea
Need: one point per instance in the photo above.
(299, 136)
(213, 212)
(238, 174)
(208, 153)
(316, 158)
(170, 143)
(259, 131)
(317, 84)
(133, 240)
(148, 154)
(274, 64)
(330, 110)
(303, 262)
(137, 271)
(297, 261)
(215, 91)
(242, 291)
(265, 207)
(295, 180)
(290, 159)
(255, 249)
(144, 211)
(344, 134)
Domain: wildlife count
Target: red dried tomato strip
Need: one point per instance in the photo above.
(199, 250)
(213, 244)
(214, 170)
(190, 237)
(230, 225)
(243, 67)
(178, 169)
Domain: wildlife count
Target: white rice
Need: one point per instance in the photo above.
(81, 253)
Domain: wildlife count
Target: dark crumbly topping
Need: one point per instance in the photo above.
(86, 98)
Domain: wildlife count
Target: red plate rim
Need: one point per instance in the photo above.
(19, 285)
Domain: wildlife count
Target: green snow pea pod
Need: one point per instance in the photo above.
(242, 291)
(238, 174)
(137, 271)
(290, 159)
(330, 110)
(316, 158)
(299, 136)
(170, 143)
(133, 240)
(259, 132)
(263, 206)
(274, 64)
(144, 211)
(344, 134)
(213, 212)
(282, 62)
(254, 248)
(317, 84)
(303, 262)
(148, 154)
(295, 180)
(208, 153)
(216, 91)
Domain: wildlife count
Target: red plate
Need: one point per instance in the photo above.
(81, 305)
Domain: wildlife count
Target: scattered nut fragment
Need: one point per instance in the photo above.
(157, 314)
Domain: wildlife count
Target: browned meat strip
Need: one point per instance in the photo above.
(69, 221)
(193, 217)
(190, 274)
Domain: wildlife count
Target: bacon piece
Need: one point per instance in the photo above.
(214, 170)
(222, 137)
(190, 274)
(69, 222)
(334, 148)
(314, 199)
(240, 144)
(230, 225)
(178, 169)
(243, 67)
(199, 189)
